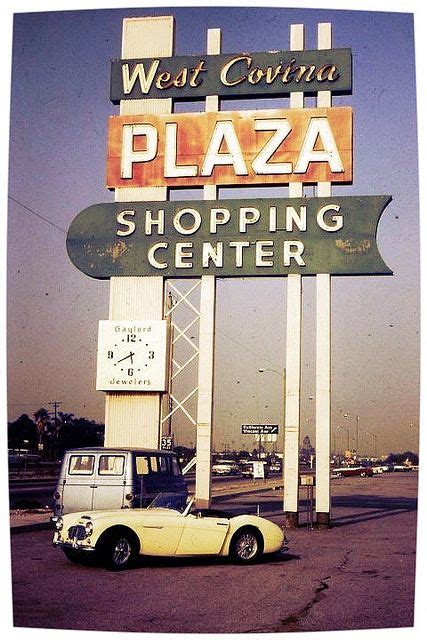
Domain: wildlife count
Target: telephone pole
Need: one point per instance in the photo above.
(55, 405)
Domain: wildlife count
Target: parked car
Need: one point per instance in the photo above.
(22, 458)
(221, 469)
(225, 469)
(171, 526)
(275, 467)
(346, 472)
(115, 478)
(376, 470)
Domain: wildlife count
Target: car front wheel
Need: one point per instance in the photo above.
(246, 546)
(119, 552)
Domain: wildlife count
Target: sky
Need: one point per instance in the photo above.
(58, 136)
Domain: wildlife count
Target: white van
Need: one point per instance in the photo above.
(115, 478)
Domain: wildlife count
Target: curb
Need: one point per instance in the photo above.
(34, 526)
(249, 490)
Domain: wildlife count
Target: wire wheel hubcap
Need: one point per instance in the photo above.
(121, 551)
(246, 546)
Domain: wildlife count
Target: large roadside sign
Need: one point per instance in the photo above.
(274, 146)
(232, 74)
(229, 238)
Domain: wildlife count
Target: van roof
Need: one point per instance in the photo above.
(121, 450)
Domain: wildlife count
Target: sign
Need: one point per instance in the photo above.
(258, 467)
(229, 238)
(235, 74)
(306, 480)
(274, 146)
(257, 429)
(132, 355)
(166, 443)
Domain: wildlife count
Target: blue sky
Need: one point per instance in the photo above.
(58, 134)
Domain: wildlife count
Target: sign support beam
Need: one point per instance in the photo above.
(133, 419)
(323, 345)
(293, 348)
(206, 342)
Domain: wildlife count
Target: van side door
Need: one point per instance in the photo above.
(77, 490)
(110, 480)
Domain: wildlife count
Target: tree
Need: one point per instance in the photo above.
(42, 418)
(79, 432)
(400, 458)
(22, 433)
(65, 418)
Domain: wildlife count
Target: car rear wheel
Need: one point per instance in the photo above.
(119, 552)
(246, 546)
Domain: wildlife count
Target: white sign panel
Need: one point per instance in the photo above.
(258, 469)
(132, 355)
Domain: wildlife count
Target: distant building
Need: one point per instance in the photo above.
(307, 450)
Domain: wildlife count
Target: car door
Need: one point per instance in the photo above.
(202, 535)
(160, 532)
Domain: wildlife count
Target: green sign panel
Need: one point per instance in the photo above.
(229, 238)
(237, 74)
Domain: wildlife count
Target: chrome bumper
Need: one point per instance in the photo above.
(75, 544)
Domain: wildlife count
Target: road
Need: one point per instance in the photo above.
(357, 575)
(37, 493)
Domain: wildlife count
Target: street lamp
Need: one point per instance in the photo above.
(348, 435)
(283, 376)
(356, 446)
(374, 435)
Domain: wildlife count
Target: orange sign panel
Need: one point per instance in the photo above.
(230, 148)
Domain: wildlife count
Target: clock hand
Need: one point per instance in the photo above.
(126, 357)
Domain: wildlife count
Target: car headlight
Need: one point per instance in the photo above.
(58, 522)
(88, 528)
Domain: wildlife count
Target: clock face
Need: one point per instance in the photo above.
(132, 355)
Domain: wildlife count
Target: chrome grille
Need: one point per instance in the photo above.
(77, 532)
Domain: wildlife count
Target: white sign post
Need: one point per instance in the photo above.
(132, 418)
(293, 348)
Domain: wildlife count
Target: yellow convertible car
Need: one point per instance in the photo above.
(170, 526)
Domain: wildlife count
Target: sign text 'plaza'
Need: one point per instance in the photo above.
(274, 146)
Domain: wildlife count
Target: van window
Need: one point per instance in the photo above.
(81, 465)
(111, 465)
(167, 465)
(175, 466)
(164, 467)
(142, 468)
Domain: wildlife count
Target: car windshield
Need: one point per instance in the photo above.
(175, 501)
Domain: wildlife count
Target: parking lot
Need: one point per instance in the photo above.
(357, 575)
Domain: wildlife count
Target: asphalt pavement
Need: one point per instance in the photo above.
(359, 574)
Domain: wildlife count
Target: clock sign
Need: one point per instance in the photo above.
(132, 355)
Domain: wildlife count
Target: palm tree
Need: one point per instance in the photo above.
(65, 418)
(42, 419)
